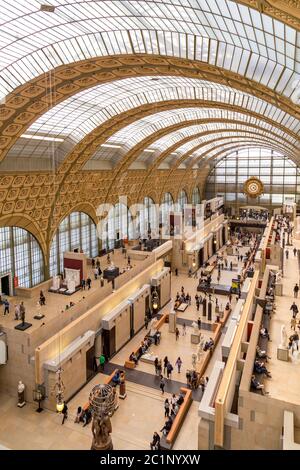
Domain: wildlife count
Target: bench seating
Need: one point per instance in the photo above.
(106, 382)
(263, 344)
(168, 441)
(163, 319)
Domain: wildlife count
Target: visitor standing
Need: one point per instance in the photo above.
(296, 290)
(6, 307)
(169, 370)
(162, 384)
(166, 360)
(178, 363)
(177, 333)
(184, 329)
(167, 408)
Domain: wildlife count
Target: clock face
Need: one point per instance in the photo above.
(253, 187)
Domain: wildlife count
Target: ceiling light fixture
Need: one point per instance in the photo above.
(42, 137)
(149, 150)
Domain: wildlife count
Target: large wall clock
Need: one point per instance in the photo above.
(253, 187)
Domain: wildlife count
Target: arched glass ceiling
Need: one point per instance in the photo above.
(208, 143)
(75, 117)
(134, 133)
(220, 129)
(219, 32)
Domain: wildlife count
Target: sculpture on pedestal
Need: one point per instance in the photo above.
(278, 277)
(102, 403)
(195, 326)
(284, 338)
(200, 351)
(21, 394)
(194, 360)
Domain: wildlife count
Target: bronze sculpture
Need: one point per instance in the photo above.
(102, 403)
(101, 429)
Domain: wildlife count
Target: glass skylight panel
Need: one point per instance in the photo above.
(42, 30)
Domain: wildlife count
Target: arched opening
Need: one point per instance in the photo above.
(76, 231)
(196, 196)
(21, 258)
(182, 200)
(119, 227)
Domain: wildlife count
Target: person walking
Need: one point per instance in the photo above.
(178, 363)
(6, 307)
(156, 364)
(199, 323)
(83, 284)
(65, 413)
(169, 370)
(295, 251)
(166, 360)
(89, 282)
(184, 329)
(162, 384)
(176, 271)
(177, 333)
(287, 253)
(296, 290)
(197, 305)
(167, 408)
(294, 309)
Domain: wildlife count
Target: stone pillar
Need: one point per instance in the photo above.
(209, 310)
(204, 307)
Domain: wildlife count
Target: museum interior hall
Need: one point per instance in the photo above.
(149, 225)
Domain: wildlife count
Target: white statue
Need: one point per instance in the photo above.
(194, 360)
(21, 394)
(278, 277)
(195, 326)
(284, 338)
(200, 351)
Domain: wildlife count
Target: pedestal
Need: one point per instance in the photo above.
(55, 283)
(23, 326)
(172, 321)
(195, 338)
(71, 286)
(278, 289)
(282, 354)
(21, 399)
(122, 393)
